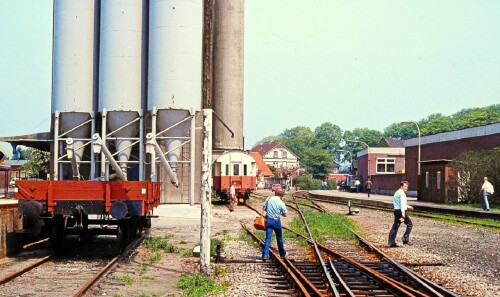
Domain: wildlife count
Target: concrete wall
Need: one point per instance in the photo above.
(9, 221)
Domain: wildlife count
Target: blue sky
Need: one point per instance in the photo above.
(356, 64)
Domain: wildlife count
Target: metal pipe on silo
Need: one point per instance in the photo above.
(174, 73)
(120, 75)
(228, 92)
(72, 77)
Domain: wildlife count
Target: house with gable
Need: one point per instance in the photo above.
(280, 157)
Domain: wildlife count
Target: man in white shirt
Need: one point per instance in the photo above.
(401, 208)
(486, 190)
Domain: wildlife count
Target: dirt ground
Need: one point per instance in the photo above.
(137, 277)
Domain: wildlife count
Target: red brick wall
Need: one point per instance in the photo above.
(448, 150)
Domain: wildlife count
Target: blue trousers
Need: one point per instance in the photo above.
(395, 227)
(485, 200)
(273, 225)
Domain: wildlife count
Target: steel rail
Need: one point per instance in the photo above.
(112, 263)
(397, 286)
(18, 273)
(331, 285)
(418, 280)
(283, 265)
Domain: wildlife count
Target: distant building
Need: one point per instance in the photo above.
(280, 157)
(384, 165)
(437, 151)
(388, 166)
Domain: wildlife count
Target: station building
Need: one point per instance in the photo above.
(388, 166)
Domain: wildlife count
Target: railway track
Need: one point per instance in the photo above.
(343, 268)
(61, 275)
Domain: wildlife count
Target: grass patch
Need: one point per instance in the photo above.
(143, 269)
(198, 285)
(322, 224)
(475, 206)
(157, 243)
(155, 258)
(183, 242)
(188, 253)
(125, 278)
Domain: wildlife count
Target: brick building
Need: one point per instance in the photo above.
(436, 151)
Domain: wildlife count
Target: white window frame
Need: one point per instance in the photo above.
(385, 162)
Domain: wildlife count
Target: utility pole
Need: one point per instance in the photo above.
(206, 193)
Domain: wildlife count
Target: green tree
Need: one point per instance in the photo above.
(401, 131)
(317, 162)
(297, 140)
(469, 168)
(472, 117)
(436, 123)
(39, 163)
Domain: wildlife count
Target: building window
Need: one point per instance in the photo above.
(227, 169)
(386, 165)
(284, 164)
(245, 173)
(275, 154)
(427, 179)
(438, 180)
(283, 154)
(236, 169)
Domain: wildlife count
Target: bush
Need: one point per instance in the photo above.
(307, 182)
(468, 170)
(332, 185)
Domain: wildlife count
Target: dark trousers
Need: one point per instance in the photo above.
(395, 227)
(273, 225)
(369, 191)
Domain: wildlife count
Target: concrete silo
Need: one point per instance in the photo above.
(121, 78)
(174, 73)
(228, 73)
(73, 81)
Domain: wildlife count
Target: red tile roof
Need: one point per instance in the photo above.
(266, 147)
(261, 165)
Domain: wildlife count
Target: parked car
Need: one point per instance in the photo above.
(275, 187)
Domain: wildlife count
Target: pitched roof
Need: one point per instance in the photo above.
(394, 142)
(267, 147)
(261, 165)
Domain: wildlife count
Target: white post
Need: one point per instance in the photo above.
(206, 192)
(192, 162)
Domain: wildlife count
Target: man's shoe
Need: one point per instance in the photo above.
(265, 259)
(393, 245)
(408, 242)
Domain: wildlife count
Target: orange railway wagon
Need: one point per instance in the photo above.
(78, 207)
(238, 168)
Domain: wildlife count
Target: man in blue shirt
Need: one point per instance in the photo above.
(274, 208)
(400, 215)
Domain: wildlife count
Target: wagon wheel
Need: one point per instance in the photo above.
(121, 236)
(58, 234)
(84, 234)
(133, 228)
